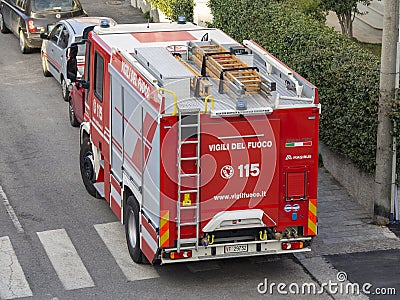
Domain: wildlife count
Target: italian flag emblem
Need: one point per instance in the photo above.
(298, 144)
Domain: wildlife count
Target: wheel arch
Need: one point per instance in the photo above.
(84, 131)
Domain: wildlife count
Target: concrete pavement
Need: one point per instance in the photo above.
(344, 227)
(362, 31)
(120, 10)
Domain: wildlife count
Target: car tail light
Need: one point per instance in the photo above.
(180, 255)
(292, 245)
(31, 26)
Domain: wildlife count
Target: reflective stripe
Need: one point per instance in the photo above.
(312, 217)
(164, 228)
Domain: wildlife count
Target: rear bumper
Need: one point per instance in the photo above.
(33, 40)
(254, 248)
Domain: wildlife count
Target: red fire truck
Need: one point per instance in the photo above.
(203, 147)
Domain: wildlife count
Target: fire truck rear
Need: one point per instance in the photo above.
(203, 147)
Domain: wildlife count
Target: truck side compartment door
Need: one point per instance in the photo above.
(117, 94)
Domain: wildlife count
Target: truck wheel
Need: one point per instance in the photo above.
(72, 118)
(45, 67)
(132, 230)
(87, 167)
(3, 27)
(23, 46)
(64, 89)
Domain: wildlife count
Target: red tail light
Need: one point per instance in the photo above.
(31, 26)
(180, 255)
(292, 245)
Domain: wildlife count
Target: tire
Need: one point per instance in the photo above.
(87, 167)
(3, 27)
(45, 67)
(72, 118)
(132, 231)
(23, 46)
(64, 89)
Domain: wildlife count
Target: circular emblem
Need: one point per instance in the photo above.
(296, 207)
(287, 208)
(58, 16)
(227, 172)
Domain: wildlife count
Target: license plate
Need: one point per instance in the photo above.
(235, 248)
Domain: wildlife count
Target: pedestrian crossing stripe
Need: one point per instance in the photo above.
(13, 283)
(113, 236)
(312, 217)
(65, 259)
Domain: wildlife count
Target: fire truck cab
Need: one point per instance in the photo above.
(203, 147)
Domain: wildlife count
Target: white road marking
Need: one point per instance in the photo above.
(65, 259)
(10, 211)
(13, 282)
(113, 236)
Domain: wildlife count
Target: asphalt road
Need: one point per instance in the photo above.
(378, 271)
(56, 241)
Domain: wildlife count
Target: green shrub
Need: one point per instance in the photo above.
(346, 75)
(175, 8)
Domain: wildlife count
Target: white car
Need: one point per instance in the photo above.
(55, 48)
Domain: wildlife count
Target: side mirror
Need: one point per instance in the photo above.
(84, 84)
(72, 63)
(44, 36)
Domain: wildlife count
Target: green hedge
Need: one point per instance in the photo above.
(175, 8)
(346, 75)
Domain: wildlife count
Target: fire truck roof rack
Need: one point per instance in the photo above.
(234, 74)
(214, 60)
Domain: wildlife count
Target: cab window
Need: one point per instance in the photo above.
(98, 76)
(55, 33)
(64, 37)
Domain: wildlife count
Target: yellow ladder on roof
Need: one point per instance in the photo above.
(216, 61)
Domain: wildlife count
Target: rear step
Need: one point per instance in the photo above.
(99, 186)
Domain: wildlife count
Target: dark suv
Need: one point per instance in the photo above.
(29, 18)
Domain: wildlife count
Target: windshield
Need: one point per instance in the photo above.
(55, 5)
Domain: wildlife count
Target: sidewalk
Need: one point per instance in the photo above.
(361, 31)
(120, 10)
(343, 227)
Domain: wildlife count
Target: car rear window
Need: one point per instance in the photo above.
(55, 5)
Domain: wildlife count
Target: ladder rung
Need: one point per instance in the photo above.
(190, 142)
(188, 224)
(188, 207)
(188, 175)
(189, 191)
(189, 240)
(189, 158)
(189, 125)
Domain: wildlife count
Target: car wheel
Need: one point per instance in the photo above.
(72, 118)
(23, 46)
(132, 230)
(45, 67)
(87, 167)
(64, 89)
(3, 27)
